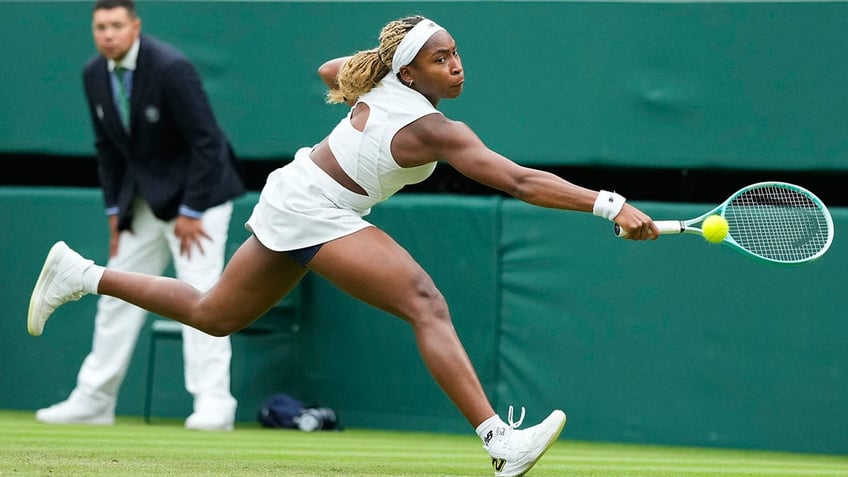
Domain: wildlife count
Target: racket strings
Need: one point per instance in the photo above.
(778, 223)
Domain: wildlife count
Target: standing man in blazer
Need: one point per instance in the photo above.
(169, 176)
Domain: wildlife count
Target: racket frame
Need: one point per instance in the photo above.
(690, 226)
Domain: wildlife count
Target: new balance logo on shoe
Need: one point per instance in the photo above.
(497, 432)
(498, 464)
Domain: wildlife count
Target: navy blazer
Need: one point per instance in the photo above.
(175, 153)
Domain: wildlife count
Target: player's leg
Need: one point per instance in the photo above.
(253, 281)
(372, 267)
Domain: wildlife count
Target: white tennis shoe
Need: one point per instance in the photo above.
(80, 408)
(514, 452)
(210, 422)
(60, 281)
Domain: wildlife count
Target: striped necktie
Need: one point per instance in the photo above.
(123, 102)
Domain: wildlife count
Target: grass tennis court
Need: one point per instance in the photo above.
(133, 448)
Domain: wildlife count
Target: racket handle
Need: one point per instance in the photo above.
(665, 226)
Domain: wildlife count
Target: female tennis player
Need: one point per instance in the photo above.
(310, 217)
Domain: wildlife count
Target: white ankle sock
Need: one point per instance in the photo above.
(91, 278)
(486, 430)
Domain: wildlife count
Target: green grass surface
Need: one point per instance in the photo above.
(133, 448)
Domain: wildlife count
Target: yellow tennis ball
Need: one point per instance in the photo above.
(715, 228)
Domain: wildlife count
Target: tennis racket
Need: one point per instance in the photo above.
(769, 221)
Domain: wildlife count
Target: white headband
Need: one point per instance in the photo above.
(413, 42)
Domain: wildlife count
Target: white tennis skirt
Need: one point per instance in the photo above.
(300, 206)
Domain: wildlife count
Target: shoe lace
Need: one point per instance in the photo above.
(513, 424)
(499, 462)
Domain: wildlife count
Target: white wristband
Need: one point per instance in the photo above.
(608, 204)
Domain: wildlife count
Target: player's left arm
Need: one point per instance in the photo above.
(460, 147)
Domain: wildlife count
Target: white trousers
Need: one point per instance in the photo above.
(149, 248)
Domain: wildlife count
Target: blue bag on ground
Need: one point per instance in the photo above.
(281, 411)
(284, 411)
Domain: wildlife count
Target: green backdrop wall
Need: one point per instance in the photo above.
(739, 85)
(671, 342)
(675, 341)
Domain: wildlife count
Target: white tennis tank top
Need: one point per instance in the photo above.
(366, 155)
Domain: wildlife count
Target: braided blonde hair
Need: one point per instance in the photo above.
(366, 68)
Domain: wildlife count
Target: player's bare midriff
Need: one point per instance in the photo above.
(323, 157)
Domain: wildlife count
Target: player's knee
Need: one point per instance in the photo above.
(216, 323)
(429, 305)
(216, 327)
(219, 331)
